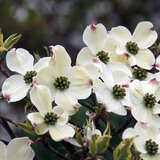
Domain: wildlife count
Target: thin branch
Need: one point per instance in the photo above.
(2, 70)
(6, 119)
(54, 151)
(8, 129)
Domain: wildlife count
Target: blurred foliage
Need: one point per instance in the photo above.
(50, 22)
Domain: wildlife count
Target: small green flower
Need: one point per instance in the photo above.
(50, 118)
(61, 83)
(103, 56)
(132, 47)
(140, 73)
(119, 92)
(28, 76)
(151, 147)
(149, 100)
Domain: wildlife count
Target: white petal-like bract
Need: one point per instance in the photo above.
(41, 98)
(19, 60)
(14, 88)
(19, 148)
(94, 37)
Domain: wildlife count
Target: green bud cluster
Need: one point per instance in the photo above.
(28, 76)
(50, 118)
(61, 83)
(149, 100)
(103, 56)
(140, 73)
(119, 92)
(151, 147)
(132, 47)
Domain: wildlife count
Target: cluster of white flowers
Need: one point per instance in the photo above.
(116, 65)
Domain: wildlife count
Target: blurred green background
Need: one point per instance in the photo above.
(51, 22)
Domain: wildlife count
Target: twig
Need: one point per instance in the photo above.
(7, 128)
(3, 71)
(6, 119)
(53, 150)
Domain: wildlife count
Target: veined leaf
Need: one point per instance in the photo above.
(12, 40)
(27, 126)
(123, 150)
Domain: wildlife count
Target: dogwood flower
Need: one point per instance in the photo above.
(113, 91)
(135, 46)
(21, 61)
(62, 79)
(17, 149)
(54, 120)
(100, 48)
(147, 140)
(145, 96)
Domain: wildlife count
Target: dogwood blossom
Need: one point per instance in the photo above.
(21, 61)
(147, 140)
(17, 149)
(62, 79)
(113, 91)
(135, 46)
(145, 96)
(54, 120)
(100, 50)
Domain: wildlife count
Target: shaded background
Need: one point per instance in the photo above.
(50, 22)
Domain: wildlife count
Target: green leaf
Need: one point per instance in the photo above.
(1, 38)
(123, 150)
(107, 130)
(27, 126)
(92, 146)
(37, 56)
(26, 106)
(12, 40)
(99, 144)
(102, 142)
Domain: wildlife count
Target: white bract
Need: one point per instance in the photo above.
(21, 61)
(147, 140)
(113, 91)
(17, 149)
(135, 46)
(63, 80)
(100, 48)
(54, 120)
(145, 96)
